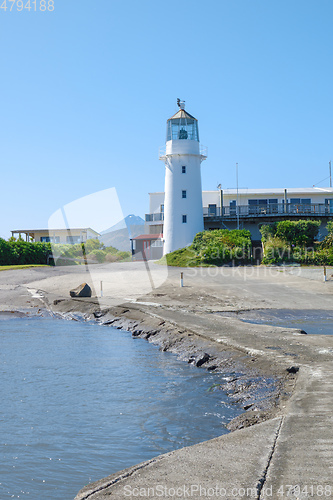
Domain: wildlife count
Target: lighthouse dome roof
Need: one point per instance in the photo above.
(181, 113)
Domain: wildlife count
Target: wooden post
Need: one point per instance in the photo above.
(181, 279)
(324, 273)
(101, 288)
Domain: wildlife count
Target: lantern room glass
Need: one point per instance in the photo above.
(182, 128)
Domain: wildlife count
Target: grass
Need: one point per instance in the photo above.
(25, 266)
(185, 257)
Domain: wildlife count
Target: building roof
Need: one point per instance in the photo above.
(280, 191)
(277, 191)
(54, 230)
(148, 237)
(182, 114)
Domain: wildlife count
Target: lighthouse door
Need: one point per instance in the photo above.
(146, 250)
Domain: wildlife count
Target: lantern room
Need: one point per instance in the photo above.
(182, 125)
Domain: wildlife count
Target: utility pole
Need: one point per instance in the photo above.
(219, 187)
(237, 205)
(330, 165)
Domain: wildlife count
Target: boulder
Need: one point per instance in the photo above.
(83, 290)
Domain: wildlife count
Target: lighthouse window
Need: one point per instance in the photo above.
(183, 169)
(184, 219)
(184, 193)
(182, 128)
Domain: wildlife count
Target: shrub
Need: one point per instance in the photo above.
(329, 227)
(298, 233)
(221, 246)
(20, 252)
(97, 255)
(268, 231)
(216, 247)
(93, 244)
(111, 250)
(328, 241)
(276, 251)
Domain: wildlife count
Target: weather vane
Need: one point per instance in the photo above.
(180, 104)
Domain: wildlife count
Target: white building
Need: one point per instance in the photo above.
(63, 236)
(251, 208)
(182, 203)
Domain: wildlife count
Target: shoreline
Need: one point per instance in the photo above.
(190, 347)
(186, 322)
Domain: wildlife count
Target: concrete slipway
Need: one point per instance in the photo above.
(289, 452)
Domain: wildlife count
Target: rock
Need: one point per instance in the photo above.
(211, 368)
(293, 369)
(202, 360)
(83, 290)
(99, 314)
(57, 301)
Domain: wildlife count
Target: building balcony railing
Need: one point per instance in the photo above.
(250, 211)
(203, 152)
(158, 217)
(275, 209)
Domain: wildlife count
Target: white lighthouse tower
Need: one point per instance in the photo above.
(183, 213)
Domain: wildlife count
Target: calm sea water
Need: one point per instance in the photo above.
(313, 322)
(81, 401)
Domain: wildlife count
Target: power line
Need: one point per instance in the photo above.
(321, 181)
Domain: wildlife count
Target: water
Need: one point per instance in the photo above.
(311, 321)
(81, 401)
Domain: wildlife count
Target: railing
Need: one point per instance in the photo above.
(162, 152)
(155, 217)
(275, 209)
(203, 151)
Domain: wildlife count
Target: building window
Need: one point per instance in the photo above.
(183, 169)
(212, 209)
(300, 201)
(258, 206)
(329, 205)
(184, 219)
(300, 205)
(72, 240)
(232, 207)
(184, 193)
(157, 243)
(162, 209)
(50, 239)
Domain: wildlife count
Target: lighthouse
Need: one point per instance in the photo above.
(183, 213)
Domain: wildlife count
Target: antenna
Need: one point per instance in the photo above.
(330, 166)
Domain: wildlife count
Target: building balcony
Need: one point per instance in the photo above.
(203, 151)
(270, 210)
(157, 217)
(277, 210)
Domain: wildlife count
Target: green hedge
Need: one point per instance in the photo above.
(221, 246)
(19, 252)
(23, 252)
(216, 248)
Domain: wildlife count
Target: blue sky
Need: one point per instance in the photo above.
(86, 91)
